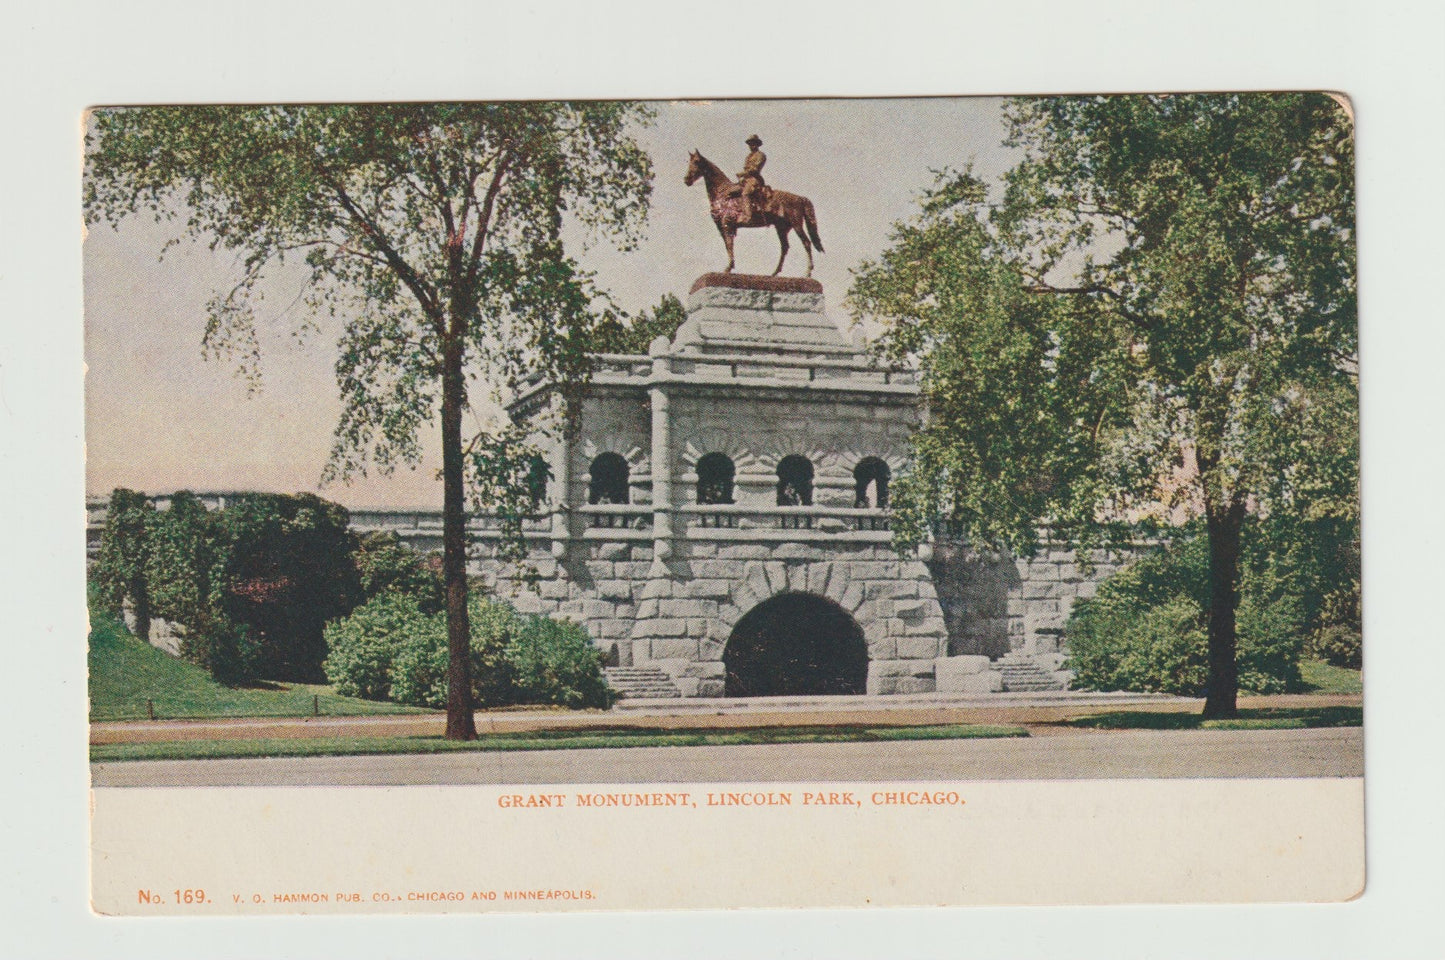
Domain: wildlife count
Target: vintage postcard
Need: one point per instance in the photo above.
(534, 506)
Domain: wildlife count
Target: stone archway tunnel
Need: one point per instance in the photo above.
(796, 644)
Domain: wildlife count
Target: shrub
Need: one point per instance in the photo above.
(288, 570)
(362, 647)
(120, 570)
(419, 673)
(223, 647)
(252, 585)
(385, 565)
(496, 626)
(1147, 627)
(164, 564)
(1270, 628)
(183, 564)
(419, 661)
(554, 661)
(1337, 645)
(390, 648)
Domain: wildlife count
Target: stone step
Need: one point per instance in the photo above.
(1022, 675)
(640, 683)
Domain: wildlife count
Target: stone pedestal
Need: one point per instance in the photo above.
(771, 315)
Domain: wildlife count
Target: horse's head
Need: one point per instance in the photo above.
(694, 168)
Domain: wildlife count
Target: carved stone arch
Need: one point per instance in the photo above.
(638, 462)
(713, 441)
(753, 587)
(742, 596)
(840, 588)
(888, 453)
(871, 479)
(777, 446)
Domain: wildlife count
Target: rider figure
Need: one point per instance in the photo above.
(750, 181)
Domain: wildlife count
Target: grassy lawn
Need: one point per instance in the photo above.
(125, 672)
(1277, 718)
(1323, 678)
(540, 740)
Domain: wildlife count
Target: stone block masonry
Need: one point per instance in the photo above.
(941, 625)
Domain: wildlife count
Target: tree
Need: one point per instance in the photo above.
(1156, 319)
(613, 336)
(436, 230)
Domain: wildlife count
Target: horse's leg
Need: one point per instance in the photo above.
(782, 229)
(728, 236)
(801, 227)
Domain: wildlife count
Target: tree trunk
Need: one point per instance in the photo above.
(140, 598)
(1224, 527)
(461, 725)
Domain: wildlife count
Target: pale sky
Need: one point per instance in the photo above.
(159, 417)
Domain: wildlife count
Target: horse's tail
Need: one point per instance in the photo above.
(812, 222)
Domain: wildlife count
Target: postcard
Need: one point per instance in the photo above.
(603, 505)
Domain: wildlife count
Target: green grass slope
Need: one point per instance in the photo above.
(125, 672)
(1321, 677)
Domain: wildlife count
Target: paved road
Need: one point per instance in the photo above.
(1124, 754)
(722, 713)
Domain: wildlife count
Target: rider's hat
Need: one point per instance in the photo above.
(754, 141)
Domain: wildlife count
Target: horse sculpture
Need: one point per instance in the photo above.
(782, 211)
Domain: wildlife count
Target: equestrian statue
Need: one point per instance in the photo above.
(752, 203)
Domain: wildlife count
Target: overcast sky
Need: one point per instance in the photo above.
(160, 417)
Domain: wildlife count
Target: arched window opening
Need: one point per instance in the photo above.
(870, 484)
(608, 485)
(870, 478)
(715, 474)
(795, 488)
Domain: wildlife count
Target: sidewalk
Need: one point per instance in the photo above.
(1042, 713)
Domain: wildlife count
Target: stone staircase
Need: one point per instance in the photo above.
(1021, 675)
(639, 683)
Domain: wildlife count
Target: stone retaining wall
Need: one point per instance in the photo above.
(677, 613)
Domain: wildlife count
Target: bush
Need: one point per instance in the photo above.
(496, 627)
(1338, 646)
(385, 565)
(390, 648)
(362, 647)
(419, 662)
(253, 585)
(419, 676)
(164, 564)
(183, 567)
(223, 647)
(554, 661)
(1147, 627)
(288, 569)
(120, 570)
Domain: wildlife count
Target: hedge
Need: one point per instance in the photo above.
(391, 648)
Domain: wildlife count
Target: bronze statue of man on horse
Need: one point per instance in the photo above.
(750, 185)
(750, 202)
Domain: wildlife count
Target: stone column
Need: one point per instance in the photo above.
(562, 478)
(661, 456)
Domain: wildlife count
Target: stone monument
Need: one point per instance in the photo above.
(723, 526)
